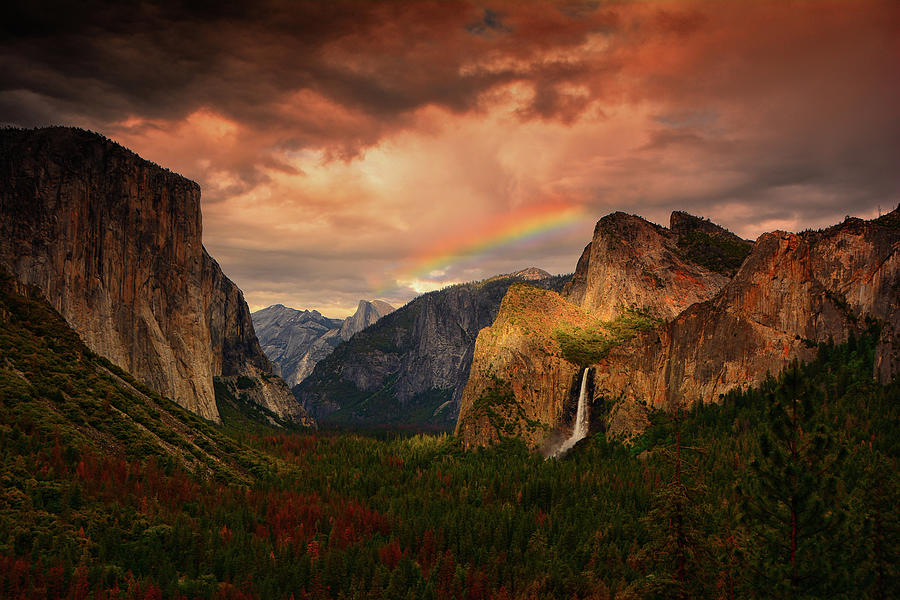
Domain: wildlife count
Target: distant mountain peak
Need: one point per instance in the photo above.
(366, 314)
(383, 307)
(531, 274)
(409, 368)
(296, 340)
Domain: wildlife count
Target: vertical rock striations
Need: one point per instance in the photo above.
(114, 242)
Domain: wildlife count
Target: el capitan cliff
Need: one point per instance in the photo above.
(114, 243)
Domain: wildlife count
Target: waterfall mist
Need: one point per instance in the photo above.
(582, 418)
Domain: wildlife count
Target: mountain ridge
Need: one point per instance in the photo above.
(295, 340)
(410, 367)
(708, 331)
(632, 275)
(796, 290)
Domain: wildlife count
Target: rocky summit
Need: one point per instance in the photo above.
(296, 340)
(114, 243)
(665, 316)
(631, 262)
(366, 314)
(792, 293)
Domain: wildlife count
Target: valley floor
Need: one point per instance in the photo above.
(785, 491)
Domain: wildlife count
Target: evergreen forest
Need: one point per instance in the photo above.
(788, 490)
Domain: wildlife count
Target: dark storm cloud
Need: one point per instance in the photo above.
(165, 59)
(336, 140)
(490, 23)
(159, 59)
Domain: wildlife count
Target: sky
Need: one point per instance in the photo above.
(366, 149)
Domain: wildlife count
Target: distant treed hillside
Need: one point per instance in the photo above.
(409, 369)
(705, 243)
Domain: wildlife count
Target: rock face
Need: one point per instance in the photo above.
(410, 367)
(714, 333)
(794, 291)
(520, 379)
(633, 275)
(366, 314)
(632, 262)
(296, 340)
(114, 242)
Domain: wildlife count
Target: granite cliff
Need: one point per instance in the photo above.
(410, 367)
(632, 276)
(523, 378)
(114, 243)
(366, 314)
(711, 333)
(296, 340)
(793, 292)
(631, 262)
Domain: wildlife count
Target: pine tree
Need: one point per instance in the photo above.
(791, 510)
(676, 561)
(880, 495)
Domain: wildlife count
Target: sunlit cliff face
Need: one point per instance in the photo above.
(340, 146)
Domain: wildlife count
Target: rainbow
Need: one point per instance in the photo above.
(528, 224)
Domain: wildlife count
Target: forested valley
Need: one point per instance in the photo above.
(109, 491)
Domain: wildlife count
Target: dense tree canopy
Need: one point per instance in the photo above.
(789, 490)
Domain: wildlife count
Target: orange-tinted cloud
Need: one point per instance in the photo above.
(335, 140)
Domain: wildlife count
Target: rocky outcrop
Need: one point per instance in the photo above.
(410, 367)
(631, 262)
(794, 291)
(520, 379)
(631, 276)
(366, 314)
(114, 242)
(296, 340)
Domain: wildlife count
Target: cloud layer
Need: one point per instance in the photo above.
(337, 141)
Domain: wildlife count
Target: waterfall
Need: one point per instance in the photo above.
(582, 418)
